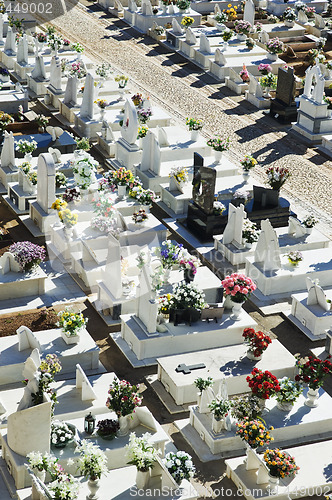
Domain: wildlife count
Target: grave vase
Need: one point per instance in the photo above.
(262, 403)
(70, 339)
(248, 245)
(273, 57)
(224, 46)
(142, 479)
(218, 156)
(41, 474)
(241, 37)
(218, 424)
(194, 135)
(251, 356)
(228, 304)
(312, 398)
(273, 484)
(102, 114)
(289, 24)
(245, 175)
(284, 405)
(122, 190)
(68, 231)
(93, 485)
(28, 157)
(236, 311)
(123, 425)
(308, 230)
(146, 208)
(180, 185)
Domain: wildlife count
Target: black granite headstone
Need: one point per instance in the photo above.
(204, 182)
(284, 106)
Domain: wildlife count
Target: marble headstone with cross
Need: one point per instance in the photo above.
(8, 151)
(87, 106)
(130, 125)
(316, 295)
(233, 230)
(147, 306)
(267, 250)
(151, 154)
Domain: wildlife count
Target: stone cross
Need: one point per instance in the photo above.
(177, 30)
(55, 75)
(219, 57)
(130, 125)
(204, 44)
(147, 308)
(22, 57)
(87, 106)
(267, 250)
(39, 73)
(183, 368)
(233, 229)
(70, 96)
(46, 181)
(10, 45)
(151, 154)
(249, 12)
(162, 137)
(190, 37)
(316, 295)
(8, 151)
(112, 276)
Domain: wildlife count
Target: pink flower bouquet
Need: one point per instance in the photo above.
(238, 286)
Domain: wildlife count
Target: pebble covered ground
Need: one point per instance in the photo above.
(187, 91)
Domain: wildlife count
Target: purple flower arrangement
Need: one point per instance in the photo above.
(144, 115)
(71, 194)
(27, 254)
(264, 69)
(275, 46)
(4, 72)
(169, 253)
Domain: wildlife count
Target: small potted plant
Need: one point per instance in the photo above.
(27, 254)
(268, 82)
(288, 394)
(141, 133)
(263, 384)
(92, 463)
(254, 433)
(143, 455)
(289, 17)
(61, 433)
(71, 195)
(221, 19)
(309, 222)
(26, 148)
(71, 323)
(140, 217)
(78, 48)
(179, 177)
(312, 371)
(146, 197)
(274, 46)
(183, 5)
(186, 304)
(69, 220)
(257, 343)
(123, 399)
(294, 257)
(226, 35)
(144, 115)
(169, 255)
(241, 195)
(4, 75)
(63, 485)
(187, 21)
(179, 465)
(218, 145)
(248, 162)
(77, 69)
(137, 100)
(219, 409)
(194, 127)
(164, 305)
(122, 81)
(250, 233)
(277, 176)
(242, 29)
(280, 465)
(238, 287)
(82, 144)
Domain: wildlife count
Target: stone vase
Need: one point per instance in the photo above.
(251, 356)
(236, 311)
(167, 274)
(93, 485)
(308, 230)
(70, 339)
(273, 57)
(241, 37)
(194, 135)
(28, 157)
(218, 156)
(68, 231)
(273, 484)
(284, 406)
(312, 398)
(245, 175)
(102, 114)
(228, 304)
(218, 424)
(124, 425)
(41, 474)
(142, 479)
(122, 191)
(289, 24)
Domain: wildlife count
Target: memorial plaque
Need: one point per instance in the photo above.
(204, 182)
(286, 86)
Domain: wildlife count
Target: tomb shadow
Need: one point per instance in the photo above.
(327, 471)
(321, 266)
(236, 368)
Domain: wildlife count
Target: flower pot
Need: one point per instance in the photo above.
(124, 425)
(41, 474)
(241, 37)
(4, 78)
(285, 406)
(70, 339)
(194, 135)
(93, 485)
(218, 424)
(308, 230)
(224, 46)
(28, 157)
(252, 357)
(188, 275)
(228, 304)
(102, 114)
(248, 245)
(273, 484)
(245, 175)
(122, 191)
(142, 479)
(68, 231)
(289, 24)
(312, 398)
(236, 311)
(146, 208)
(273, 57)
(218, 156)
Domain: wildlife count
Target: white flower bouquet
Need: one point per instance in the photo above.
(61, 434)
(180, 465)
(92, 462)
(140, 452)
(41, 461)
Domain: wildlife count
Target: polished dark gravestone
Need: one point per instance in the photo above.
(284, 106)
(65, 143)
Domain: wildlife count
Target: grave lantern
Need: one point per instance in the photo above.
(89, 423)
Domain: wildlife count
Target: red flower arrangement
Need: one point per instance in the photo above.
(263, 384)
(238, 286)
(257, 341)
(312, 371)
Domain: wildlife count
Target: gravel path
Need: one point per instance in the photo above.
(187, 91)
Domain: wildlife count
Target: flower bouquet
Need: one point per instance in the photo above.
(77, 47)
(249, 232)
(92, 462)
(32, 178)
(268, 81)
(238, 286)
(294, 257)
(61, 433)
(248, 162)
(5, 120)
(275, 46)
(264, 69)
(142, 131)
(309, 222)
(82, 143)
(41, 37)
(203, 384)
(60, 179)
(122, 81)
(164, 302)
(328, 101)
(169, 253)
(123, 397)
(140, 452)
(253, 432)
(193, 124)
(226, 35)
(187, 21)
(40, 461)
(289, 15)
(120, 177)
(84, 170)
(59, 204)
(54, 41)
(137, 99)
(71, 194)
(27, 254)
(103, 224)
(101, 103)
(104, 204)
(180, 175)
(140, 216)
(241, 195)
(144, 115)
(277, 176)
(107, 428)
(245, 406)
(257, 342)
(288, 394)
(189, 263)
(146, 197)
(242, 27)
(219, 408)
(231, 12)
(179, 465)
(183, 4)
(24, 146)
(312, 371)
(71, 322)
(135, 187)
(280, 463)
(221, 18)
(64, 486)
(68, 218)
(77, 69)
(218, 208)
(219, 144)
(263, 384)
(104, 70)
(187, 296)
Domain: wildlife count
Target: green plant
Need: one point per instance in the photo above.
(194, 124)
(183, 4)
(219, 408)
(203, 384)
(83, 143)
(289, 391)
